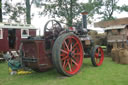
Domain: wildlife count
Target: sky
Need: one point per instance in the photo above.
(39, 22)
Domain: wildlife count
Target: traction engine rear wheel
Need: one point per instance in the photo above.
(67, 54)
(97, 56)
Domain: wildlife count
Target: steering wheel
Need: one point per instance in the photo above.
(52, 29)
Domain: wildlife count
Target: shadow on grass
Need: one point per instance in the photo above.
(53, 74)
(49, 75)
(87, 65)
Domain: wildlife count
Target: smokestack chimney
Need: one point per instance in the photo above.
(84, 19)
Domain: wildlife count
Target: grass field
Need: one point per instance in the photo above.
(109, 73)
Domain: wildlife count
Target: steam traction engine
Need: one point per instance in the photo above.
(61, 48)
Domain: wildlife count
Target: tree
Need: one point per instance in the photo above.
(104, 8)
(92, 7)
(38, 4)
(20, 10)
(1, 19)
(124, 8)
(65, 9)
(109, 6)
(13, 12)
(28, 11)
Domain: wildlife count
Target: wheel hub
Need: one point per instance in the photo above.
(71, 54)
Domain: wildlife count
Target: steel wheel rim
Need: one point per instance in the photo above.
(99, 56)
(71, 55)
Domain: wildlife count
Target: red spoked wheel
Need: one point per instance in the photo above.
(97, 57)
(67, 54)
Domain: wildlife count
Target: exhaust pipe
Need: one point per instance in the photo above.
(84, 20)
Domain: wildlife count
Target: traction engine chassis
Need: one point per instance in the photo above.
(59, 48)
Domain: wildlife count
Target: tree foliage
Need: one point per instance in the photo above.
(104, 8)
(65, 9)
(92, 7)
(13, 12)
(124, 8)
(70, 9)
(109, 7)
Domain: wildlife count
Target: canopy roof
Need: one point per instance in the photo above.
(115, 27)
(16, 26)
(116, 22)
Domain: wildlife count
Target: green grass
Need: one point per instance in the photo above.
(109, 73)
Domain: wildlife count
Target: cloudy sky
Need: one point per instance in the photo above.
(39, 22)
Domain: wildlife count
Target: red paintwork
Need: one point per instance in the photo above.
(100, 60)
(4, 44)
(18, 38)
(32, 32)
(36, 49)
(70, 28)
(71, 55)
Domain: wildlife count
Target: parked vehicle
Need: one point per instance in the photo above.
(12, 34)
(63, 49)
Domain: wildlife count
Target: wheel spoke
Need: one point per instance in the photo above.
(76, 53)
(74, 62)
(98, 51)
(69, 67)
(74, 58)
(63, 58)
(62, 55)
(96, 55)
(75, 45)
(71, 62)
(64, 51)
(70, 47)
(66, 45)
(96, 60)
(70, 43)
(66, 64)
(75, 50)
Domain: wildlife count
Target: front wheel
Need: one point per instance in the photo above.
(67, 54)
(97, 56)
